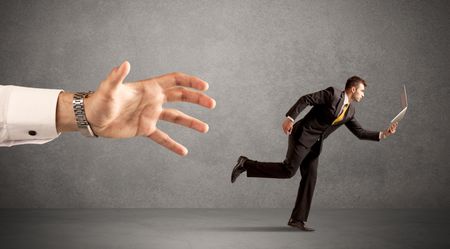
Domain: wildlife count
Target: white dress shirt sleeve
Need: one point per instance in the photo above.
(27, 115)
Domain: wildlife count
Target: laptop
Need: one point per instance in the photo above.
(404, 99)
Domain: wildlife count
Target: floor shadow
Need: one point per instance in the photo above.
(251, 229)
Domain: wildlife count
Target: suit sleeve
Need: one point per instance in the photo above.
(354, 126)
(317, 98)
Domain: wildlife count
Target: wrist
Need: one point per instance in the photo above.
(65, 119)
(78, 104)
(384, 135)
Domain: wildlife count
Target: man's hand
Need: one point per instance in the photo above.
(390, 130)
(287, 126)
(123, 110)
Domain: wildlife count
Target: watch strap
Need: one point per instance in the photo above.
(80, 114)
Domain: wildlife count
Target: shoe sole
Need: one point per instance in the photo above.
(237, 164)
(305, 230)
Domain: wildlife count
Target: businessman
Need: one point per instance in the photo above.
(331, 108)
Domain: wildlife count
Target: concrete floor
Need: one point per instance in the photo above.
(222, 228)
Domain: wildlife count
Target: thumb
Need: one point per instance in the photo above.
(118, 74)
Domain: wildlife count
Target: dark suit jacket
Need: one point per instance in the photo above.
(317, 124)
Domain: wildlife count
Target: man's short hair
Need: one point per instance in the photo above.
(354, 81)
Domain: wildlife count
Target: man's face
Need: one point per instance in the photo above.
(358, 92)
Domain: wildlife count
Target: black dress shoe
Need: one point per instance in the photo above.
(299, 225)
(238, 169)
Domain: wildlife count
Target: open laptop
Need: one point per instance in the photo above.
(404, 99)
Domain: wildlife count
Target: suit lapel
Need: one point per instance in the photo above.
(347, 112)
(339, 104)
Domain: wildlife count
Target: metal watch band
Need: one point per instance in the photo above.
(80, 114)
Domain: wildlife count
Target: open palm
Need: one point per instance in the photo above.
(122, 110)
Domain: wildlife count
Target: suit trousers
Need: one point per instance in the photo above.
(297, 156)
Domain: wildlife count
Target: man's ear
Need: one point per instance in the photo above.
(353, 89)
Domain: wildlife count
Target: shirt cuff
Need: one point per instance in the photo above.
(31, 115)
(290, 119)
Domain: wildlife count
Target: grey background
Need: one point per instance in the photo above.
(259, 58)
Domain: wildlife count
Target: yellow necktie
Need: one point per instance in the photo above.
(341, 116)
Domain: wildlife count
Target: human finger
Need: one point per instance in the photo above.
(393, 127)
(178, 117)
(286, 130)
(118, 74)
(181, 79)
(187, 95)
(165, 140)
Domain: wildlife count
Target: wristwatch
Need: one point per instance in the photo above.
(80, 114)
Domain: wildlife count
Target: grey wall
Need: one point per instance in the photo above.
(259, 58)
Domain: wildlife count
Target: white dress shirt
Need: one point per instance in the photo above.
(27, 115)
(346, 102)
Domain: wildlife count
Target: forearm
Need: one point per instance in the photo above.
(354, 126)
(65, 117)
(311, 99)
(369, 135)
(295, 110)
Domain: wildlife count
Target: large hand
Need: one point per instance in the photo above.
(119, 110)
(287, 126)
